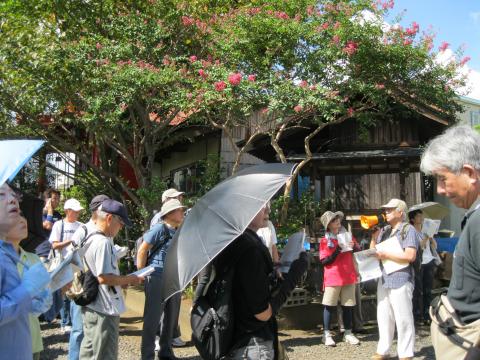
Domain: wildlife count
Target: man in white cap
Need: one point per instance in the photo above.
(395, 290)
(61, 240)
(153, 251)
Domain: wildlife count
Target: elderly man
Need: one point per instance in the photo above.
(152, 251)
(454, 159)
(395, 289)
(101, 318)
(76, 333)
(49, 217)
(18, 295)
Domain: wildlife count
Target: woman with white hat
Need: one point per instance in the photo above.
(339, 274)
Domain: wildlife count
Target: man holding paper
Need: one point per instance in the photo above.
(396, 246)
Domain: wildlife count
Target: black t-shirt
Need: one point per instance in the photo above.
(251, 291)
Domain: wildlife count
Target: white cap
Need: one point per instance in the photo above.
(72, 204)
(171, 193)
(396, 204)
(170, 206)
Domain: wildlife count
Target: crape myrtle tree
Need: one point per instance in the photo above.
(122, 78)
(283, 64)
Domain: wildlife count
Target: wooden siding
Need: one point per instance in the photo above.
(370, 191)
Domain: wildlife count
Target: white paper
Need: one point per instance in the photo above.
(144, 272)
(393, 246)
(344, 239)
(430, 227)
(63, 274)
(368, 265)
(292, 250)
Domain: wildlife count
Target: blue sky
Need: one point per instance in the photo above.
(454, 21)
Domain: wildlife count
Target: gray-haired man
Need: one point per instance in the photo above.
(101, 318)
(454, 159)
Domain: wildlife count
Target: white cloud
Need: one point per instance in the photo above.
(472, 77)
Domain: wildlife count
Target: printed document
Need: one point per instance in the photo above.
(292, 250)
(368, 265)
(391, 245)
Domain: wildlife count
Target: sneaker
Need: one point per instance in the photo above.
(377, 356)
(157, 343)
(328, 340)
(66, 329)
(351, 339)
(178, 342)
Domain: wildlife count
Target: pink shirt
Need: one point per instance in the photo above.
(342, 270)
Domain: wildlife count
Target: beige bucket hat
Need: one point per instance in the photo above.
(328, 216)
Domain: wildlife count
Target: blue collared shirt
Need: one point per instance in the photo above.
(160, 234)
(15, 304)
(407, 237)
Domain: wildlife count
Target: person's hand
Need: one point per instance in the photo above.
(351, 244)
(35, 279)
(42, 302)
(48, 207)
(381, 255)
(375, 232)
(135, 280)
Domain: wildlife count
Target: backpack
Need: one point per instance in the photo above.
(212, 318)
(84, 289)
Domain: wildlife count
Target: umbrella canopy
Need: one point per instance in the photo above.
(431, 210)
(13, 156)
(217, 219)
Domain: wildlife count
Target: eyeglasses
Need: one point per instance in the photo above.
(119, 219)
(388, 211)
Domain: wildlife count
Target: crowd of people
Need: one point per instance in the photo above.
(404, 296)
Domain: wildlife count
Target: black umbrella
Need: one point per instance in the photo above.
(217, 219)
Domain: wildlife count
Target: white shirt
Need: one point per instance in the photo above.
(268, 236)
(427, 255)
(69, 229)
(101, 260)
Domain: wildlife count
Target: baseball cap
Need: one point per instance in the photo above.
(171, 193)
(396, 204)
(97, 201)
(73, 204)
(116, 208)
(169, 206)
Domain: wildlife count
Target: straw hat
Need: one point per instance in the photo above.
(170, 206)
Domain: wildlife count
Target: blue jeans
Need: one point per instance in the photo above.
(76, 334)
(257, 349)
(65, 312)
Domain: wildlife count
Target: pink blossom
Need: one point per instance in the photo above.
(281, 15)
(187, 21)
(351, 48)
(303, 84)
(350, 111)
(325, 25)
(166, 61)
(313, 87)
(252, 77)
(234, 79)
(444, 46)
(220, 85)
(310, 10)
(99, 46)
(189, 96)
(407, 42)
(413, 30)
(336, 25)
(193, 58)
(298, 108)
(465, 60)
(388, 4)
(202, 73)
(298, 17)
(379, 86)
(336, 39)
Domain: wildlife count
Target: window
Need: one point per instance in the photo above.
(474, 118)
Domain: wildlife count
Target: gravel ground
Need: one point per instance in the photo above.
(303, 345)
